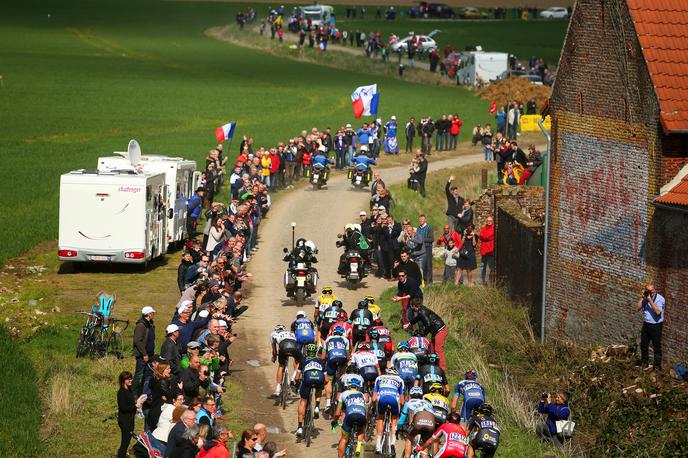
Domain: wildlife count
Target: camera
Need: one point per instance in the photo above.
(544, 395)
(647, 293)
(206, 373)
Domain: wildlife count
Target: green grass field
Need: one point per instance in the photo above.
(82, 78)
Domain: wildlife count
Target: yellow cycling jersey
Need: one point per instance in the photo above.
(324, 301)
(375, 310)
(438, 401)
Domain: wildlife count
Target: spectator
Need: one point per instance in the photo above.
(161, 393)
(144, 345)
(465, 217)
(556, 411)
(425, 129)
(424, 239)
(262, 434)
(187, 327)
(449, 234)
(451, 254)
(511, 121)
(387, 235)
(454, 203)
(187, 261)
(407, 289)
(454, 131)
(442, 126)
(190, 443)
(377, 180)
(216, 235)
(193, 378)
(486, 237)
(271, 450)
(407, 265)
(477, 134)
(420, 172)
(246, 444)
(175, 440)
(410, 132)
(206, 414)
(431, 323)
(467, 263)
(210, 177)
(651, 303)
(167, 421)
(193, 211)
(501, 120)
(486, 140)
(533, 162)
(126, 410)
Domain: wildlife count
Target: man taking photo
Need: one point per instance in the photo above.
(651, 303)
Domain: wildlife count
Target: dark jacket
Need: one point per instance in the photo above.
(185, 449)
(454, 204)
(126, 407)
(431, 321)
(519, 156)
(387, 239)
(191, 382)
(410, 130)
(411, 269)
(422, 170)
(170, 351)
(410, 288)
(464, 220)
(174, 440)
(181, 273)
(142, 335)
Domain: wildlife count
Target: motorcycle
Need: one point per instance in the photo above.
(300, 280)
(360, 176)
(354, 272)
(318, 175)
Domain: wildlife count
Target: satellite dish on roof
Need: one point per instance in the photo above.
(134, 151)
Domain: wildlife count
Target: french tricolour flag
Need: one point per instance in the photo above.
(365, 100)
(225, 132)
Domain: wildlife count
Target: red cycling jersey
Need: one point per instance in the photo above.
(455, 441)
(348, 330)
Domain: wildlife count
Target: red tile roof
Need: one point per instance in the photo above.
(678, 195)
(662, 29)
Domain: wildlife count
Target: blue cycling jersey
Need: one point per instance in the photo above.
(469, 389)
(312, 370)
(304, 330)
(353, 402)
(337, 348)
(389, 386)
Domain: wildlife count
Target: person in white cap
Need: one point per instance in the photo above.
(144, 345)
(170, 350)
(186, 326)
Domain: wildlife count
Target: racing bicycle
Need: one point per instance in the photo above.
(101, 336)
(386, 441)
(308, 418)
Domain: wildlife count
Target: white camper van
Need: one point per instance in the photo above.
(115, 216)
(181, 179)
(482, 65)
(318, 14)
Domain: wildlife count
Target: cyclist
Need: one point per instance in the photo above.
(439, 402)
(406, 364)
(283, 346)
(472, 392)
(385, 337)
(420, 416)
(312, 370)
(373, 307)
(303, 329)
(351, 373)
(328, 318)
(484, 431)
(362, 320)
(420, 346)
(388, 393)
(336, 355)
(455, 438)
(430, 373)
(324, 300)
(378, 348)
(366, 363)
(342, 320)
(352, 403)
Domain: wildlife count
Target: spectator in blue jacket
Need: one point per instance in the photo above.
(193, 210)
(363, 134)
(188, 327)
(556, 411)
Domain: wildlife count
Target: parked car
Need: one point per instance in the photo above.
(509, 73)
(470, 12)
(436, 10)
(555, 12)
(426, 42)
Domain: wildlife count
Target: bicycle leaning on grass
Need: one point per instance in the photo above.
(101, 336)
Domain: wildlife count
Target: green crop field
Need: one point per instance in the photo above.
(80, 78)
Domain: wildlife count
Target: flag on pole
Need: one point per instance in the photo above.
(365, 100)
(493, 108)
(225, 132)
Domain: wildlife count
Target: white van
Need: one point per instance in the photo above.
(318, 14)
(181, 179)
(485, 66)
(117, 217)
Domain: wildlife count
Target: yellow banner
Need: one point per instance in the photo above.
(529, 123)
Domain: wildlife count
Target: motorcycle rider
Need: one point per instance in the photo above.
(352, 240)
(303, 252)
(362, 320)
(321, 160)
(362, 161)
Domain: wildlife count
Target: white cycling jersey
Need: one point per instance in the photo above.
(278, 336)
(364, 359)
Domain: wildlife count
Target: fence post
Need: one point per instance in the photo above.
(483, 179)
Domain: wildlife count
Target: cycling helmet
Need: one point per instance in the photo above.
(311, 246)
(436, 388)
(391, 371)
(279, 327)
(342, 315)
(403, 346)
(354, 383)
(454, 418)
(374, 334)
(363, 346)
(484, 409)
(300, 242)
(338, 331)
(364, 148)
(352, 368)
(470, 374)
(337, 303)
(378, 322)
(433, 358)
(370, 299)
(416, 392)
(327, 290)
(310, 349)
(362, 305)
(300, 314)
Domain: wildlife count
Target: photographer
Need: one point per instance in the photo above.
(466, 263)
(556, 411)
(651, 303)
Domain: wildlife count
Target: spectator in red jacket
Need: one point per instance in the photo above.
(486, 237)
(454, 131)
(217, 448)
(447, 235)
(274, 167)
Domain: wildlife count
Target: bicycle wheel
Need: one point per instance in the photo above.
(285, 386)
(333, 398)
(386, 441)
(115, 347)
(308, 420)
(370, 422)
(98, 343)
(82, 344)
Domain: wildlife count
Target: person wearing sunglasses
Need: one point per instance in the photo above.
(247, 444)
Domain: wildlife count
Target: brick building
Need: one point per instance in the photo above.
(619, 200)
